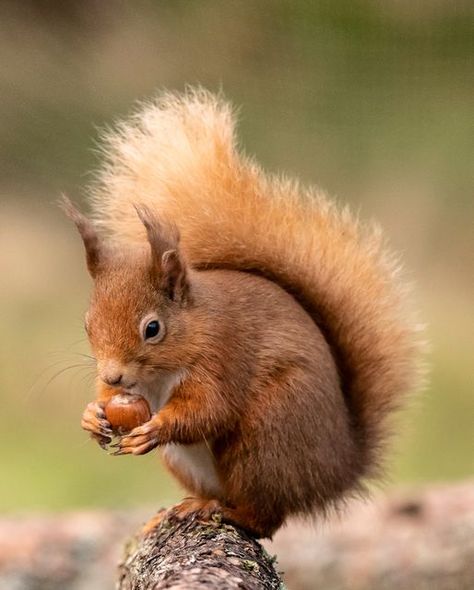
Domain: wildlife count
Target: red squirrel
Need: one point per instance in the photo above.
(267, 328)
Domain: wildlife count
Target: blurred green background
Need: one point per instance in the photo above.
(372, 101)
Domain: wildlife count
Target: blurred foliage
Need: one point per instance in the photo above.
(370, 100)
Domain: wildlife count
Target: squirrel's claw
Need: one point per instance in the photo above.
(103, 441)
(97, 427)
(94, 422)
(100, 414)
(139, 441)
(138, 450)
(117, 453)
(143, 430)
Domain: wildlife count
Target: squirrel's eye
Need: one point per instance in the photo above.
(152, 329)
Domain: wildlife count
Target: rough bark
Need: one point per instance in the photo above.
(412, 539)
(189, 554)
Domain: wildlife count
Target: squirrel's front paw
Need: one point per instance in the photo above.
(94, 422)
(140, 440)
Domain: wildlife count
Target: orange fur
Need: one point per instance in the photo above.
(270, 375)
(178, 156)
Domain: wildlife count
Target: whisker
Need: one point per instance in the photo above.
(30, 391)
(86, 356)
(91, 376)
(72, 377)
(41, 375)
(72, 353)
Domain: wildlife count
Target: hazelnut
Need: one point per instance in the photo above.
(127, 411)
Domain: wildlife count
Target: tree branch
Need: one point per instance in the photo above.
(419, 538)
(178, 555)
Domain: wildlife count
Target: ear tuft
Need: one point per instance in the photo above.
(168, 266)
(145, 215)
(88, 233)
(161, 236)
(70, 209)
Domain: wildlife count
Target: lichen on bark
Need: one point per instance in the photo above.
(187, 554)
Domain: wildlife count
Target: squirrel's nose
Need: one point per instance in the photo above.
(112, 378)
(111, 372)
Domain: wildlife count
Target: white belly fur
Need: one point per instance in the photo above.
(197, 462)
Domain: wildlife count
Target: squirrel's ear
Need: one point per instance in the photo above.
(168, 265)
(88, 234)
(174, 279)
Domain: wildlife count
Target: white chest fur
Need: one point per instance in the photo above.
(158, 392)
(196, 463)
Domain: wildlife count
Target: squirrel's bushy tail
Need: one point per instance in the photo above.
(178, 156)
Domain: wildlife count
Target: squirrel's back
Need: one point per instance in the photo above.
(178, 156)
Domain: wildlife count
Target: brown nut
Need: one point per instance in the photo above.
(127, 411)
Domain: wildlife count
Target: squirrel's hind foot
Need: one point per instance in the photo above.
(208, 510)
(202, 508)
